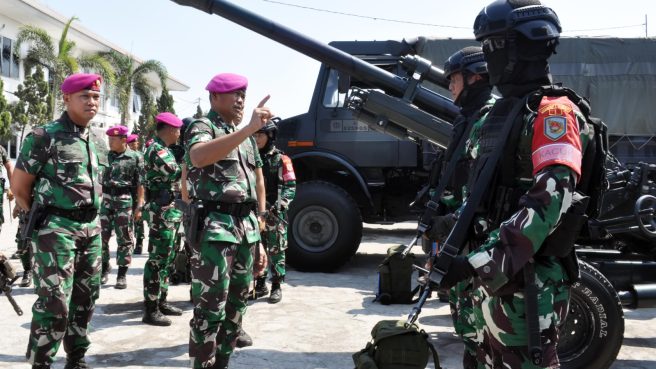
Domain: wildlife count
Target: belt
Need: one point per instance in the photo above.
(243, 209)
(117, 191)
(82, 215)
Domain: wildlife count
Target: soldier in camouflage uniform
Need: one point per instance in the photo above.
(539, 171)
(471, 91)
(122, 192)
(161, 173)
(224, 175)
(24, 251)
(58, 166)
(137, 225)
(280, 186)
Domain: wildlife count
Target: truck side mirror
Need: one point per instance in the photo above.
(343, 82)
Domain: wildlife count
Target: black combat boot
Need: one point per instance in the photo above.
(26, 281)
(243, 339)
(221, 362)
(76, 362)
(276, 293)
(138, 248)
(153, 316)
(260, 289)
(121, 282)
(41, 366)
(166, 308)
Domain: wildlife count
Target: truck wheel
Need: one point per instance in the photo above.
(593, 331)
(325, 227)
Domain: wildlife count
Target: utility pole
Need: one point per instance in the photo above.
(646, 34)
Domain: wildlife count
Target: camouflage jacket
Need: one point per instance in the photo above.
(160, 173)
(549, 185)
(63, 159)
(231, 180)
(279, 179)
(124, 172)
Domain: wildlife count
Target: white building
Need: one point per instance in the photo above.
(15, 13)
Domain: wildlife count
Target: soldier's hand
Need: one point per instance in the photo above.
(15, 212)
(262, 222)
(10, 195)
(137, 214)
(261, 262)
(459, 270)
(261, 114)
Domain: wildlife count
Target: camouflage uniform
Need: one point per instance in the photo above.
(4, 158)
(67, 243)
(120, 181)
(280, 187)
(460, 302)
(222, 262)
(161, 171)
(24, 250)
(547, 186)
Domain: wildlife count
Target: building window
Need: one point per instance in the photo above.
(9, 62)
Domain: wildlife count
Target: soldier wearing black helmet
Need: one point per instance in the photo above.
(521, 288)
(466, 70)
(280, 186)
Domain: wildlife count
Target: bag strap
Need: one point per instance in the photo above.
(436, 358)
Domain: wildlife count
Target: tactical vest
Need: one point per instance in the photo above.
(271, 174)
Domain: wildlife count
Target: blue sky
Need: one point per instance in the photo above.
(195, 46)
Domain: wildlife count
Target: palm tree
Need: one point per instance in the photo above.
(60, 62)
(132, 77)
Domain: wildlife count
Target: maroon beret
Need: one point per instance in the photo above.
(170, 119)
(227, 82)
(117, 130)
(81, 81)
(133, 137)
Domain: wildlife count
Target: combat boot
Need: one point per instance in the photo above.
(27, 279)
(221, 362)
(153, 316)
(166, 308)
(260, 290)
(104, 276)
(16, 255)
(276, 293)
(121, 282)
(76, 362)
(138, 248)
(41, 366)
(243, 339)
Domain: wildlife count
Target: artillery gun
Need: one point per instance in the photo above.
(386, 94)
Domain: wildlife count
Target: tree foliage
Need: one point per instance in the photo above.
(165, 101)
(5, 114)
(59, 62)
(32, 108)
(145, 126)
(132, 76)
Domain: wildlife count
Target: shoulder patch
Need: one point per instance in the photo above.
(287, 169)
(555, 127)
(40, 131)
(162, 153)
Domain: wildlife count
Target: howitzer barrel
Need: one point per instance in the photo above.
(335, 58)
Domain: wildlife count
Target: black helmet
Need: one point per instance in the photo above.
(470, 59)
(271, 128)
(528, 17)
(186, 122)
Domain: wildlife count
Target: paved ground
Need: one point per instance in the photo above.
(322, 320)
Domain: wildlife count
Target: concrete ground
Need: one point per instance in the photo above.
(322, 320)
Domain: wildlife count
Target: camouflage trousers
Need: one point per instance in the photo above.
(162, 235)
(503, 333)
(67, 284)
(23, 248)
(221, 274)
(465, 323)
(118, 221)
(138, 230)
(274, 239)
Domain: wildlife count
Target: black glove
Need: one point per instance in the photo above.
(459, 270)
(440, 227)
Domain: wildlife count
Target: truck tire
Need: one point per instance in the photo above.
(593, 331)
(325, 227)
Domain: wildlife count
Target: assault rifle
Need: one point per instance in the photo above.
(7, 278)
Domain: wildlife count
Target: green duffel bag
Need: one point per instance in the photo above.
(396, 345)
